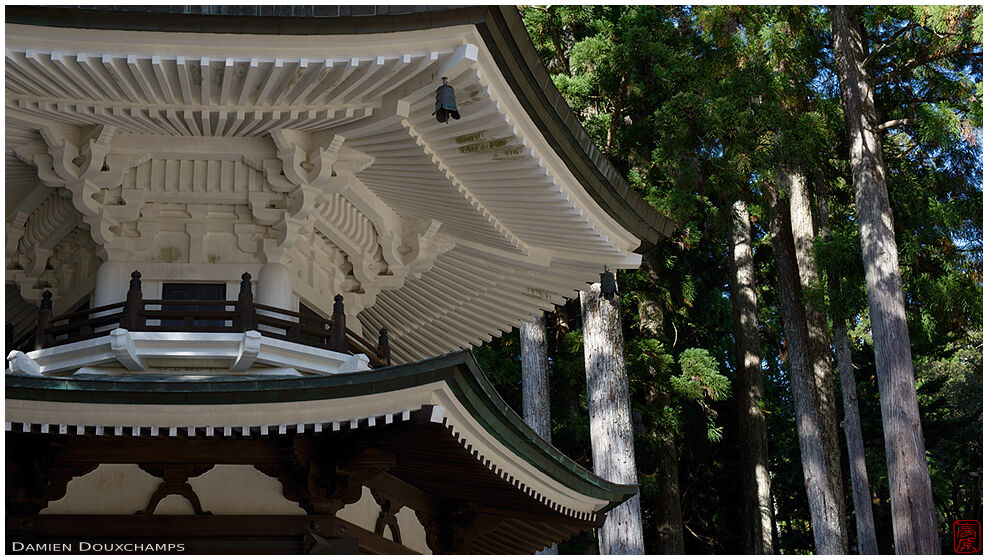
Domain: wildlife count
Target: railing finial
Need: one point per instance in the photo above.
(337, 333)
(41, 337)
(133, 311)
(246, 319)
(384, 346)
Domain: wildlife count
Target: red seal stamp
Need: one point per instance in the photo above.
(967, 536)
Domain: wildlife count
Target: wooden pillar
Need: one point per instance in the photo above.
(274, 289)
(274, 286)
(111, 283)
(611, 432)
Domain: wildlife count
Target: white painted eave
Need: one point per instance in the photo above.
(525, 234)
(226, 353)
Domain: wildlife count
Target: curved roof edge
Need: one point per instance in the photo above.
(500, 26)
(459, 370)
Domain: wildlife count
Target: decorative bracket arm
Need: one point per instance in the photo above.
(320, 480)
(458, 522)
(21, 363)
(176, 481)
(250, 347)
(388, 516)
(122, 346)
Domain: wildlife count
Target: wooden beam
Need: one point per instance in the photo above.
(404, 493)
(206, 530)
(180, 526)
(150, 450)
(549, 518)
(371, 543)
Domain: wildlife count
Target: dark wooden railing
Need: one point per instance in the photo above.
(240, 315)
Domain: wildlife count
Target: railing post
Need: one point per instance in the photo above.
(337, 332)
(41, 337)
(384, 347)
(133, 311)
(246, 319)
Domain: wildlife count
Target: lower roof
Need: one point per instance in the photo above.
(444, 395)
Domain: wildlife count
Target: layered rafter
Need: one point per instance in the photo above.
(319, 153)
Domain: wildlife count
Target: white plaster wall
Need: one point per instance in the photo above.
(412, 532)
(243, 490)
(223, 490)
(110, 489)
(364, 513)
(174, 504)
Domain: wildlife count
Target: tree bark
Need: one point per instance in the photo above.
(914, 518)
(611, 432)
(801, 215)
(535, 377)
(756, 502)
(668, 512)
(535, 384)
(828, 527)
(864, 517)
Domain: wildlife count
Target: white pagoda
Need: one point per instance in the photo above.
(244, 259)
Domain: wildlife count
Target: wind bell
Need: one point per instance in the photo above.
(608, 286)
(445, 103)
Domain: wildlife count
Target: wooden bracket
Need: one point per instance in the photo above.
(453, 530)
(321, 479)
(36, 476)
(176, 481)
(387, 517)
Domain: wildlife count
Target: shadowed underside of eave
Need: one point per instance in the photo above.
(458, 435)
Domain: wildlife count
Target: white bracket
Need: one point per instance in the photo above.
(356, 362)
(250, 347)
(22, 363)
(122, 346)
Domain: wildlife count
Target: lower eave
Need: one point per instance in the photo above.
(489, 415)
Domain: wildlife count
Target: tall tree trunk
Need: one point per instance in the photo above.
(864, 517)
(756, 501)
(801, 214)
(668, 512)
(914, 518)
(828, 527)
(535, 377)
(611, 431)
(535, 384)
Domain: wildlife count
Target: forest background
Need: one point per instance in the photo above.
(711, 113)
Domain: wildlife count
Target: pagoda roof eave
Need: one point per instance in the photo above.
(501, 28)
(459, 397)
